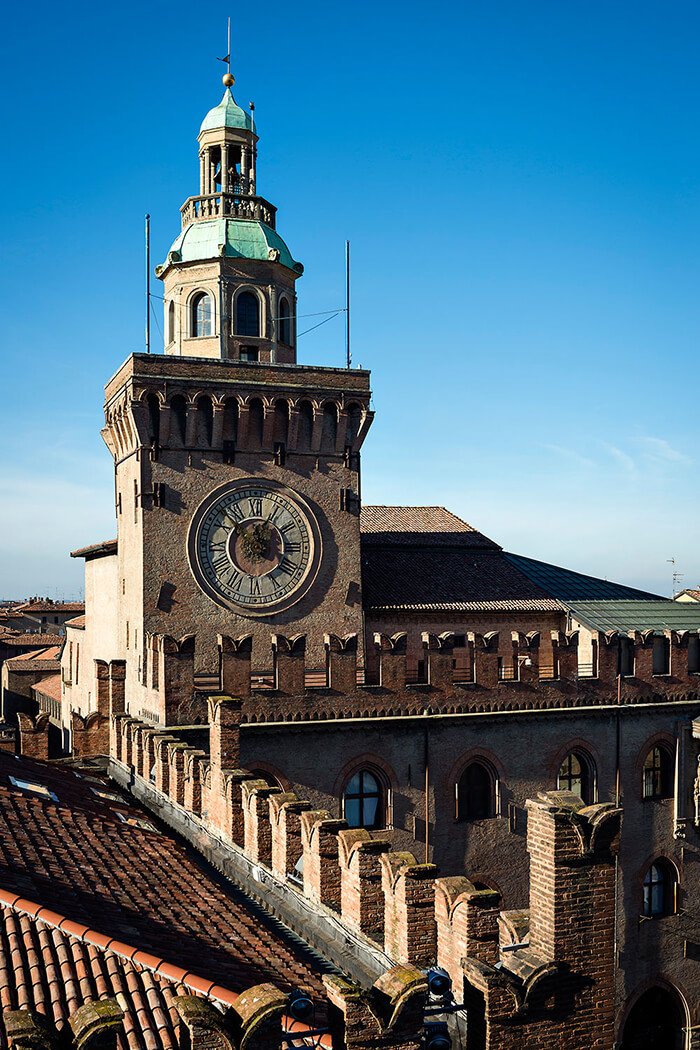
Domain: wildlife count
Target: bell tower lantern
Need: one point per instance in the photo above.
(229, 278)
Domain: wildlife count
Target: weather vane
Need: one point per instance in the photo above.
(228, 78)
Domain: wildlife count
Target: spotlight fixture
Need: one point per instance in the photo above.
(439, 982)
(436, 1036)
(301, 1007)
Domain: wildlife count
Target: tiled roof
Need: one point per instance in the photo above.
(425, 526)
(693, 595)
(77, 621)
(54, 607)
(36, 660)
(23, 641)
(569, 586)
(448, 581)
(97, 550)
(50, 687)
(92, 858)
(624, 616)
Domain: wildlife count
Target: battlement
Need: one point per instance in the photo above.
(527, 673)
(543, 972)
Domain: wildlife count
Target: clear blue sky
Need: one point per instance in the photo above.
(519, 182)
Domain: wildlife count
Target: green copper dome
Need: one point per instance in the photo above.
(228, 114)
(233, 239)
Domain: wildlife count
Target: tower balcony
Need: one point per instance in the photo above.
(228, 205)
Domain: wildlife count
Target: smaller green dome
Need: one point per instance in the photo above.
(228, 114)
(232, 238)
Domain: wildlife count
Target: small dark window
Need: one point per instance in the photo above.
(205, 422)
(363, 801)
(659, 891)
(626, 657)
(661, 657)
(329, 436)
(256, 419)
(201, 315)
(285, 327)
(475, 793)
(171, 322)
(658, 774)
(178, 417)
(249, 353)
(693, 654)
(247, 314)
(153, 406)
(306, 426)
(576, 774)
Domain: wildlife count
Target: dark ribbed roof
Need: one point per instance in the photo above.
(409, 526)
(569, 586)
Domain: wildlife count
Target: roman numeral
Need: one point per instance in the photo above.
(256, 507)
(292, 547)
(288, 526)
(234, 579)
(287, 567)
(219, 545)
(220, 562)
(255, 585)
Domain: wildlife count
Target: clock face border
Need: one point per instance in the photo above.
(301, 507)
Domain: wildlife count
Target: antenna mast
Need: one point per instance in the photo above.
(148, 284)
(348, 355)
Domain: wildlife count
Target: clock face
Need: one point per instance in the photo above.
(254, 547)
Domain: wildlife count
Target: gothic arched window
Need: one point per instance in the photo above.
(247, 314)
(171, 322)
(658, 773)
(577, 774)
(659, 890)
(475, 793)
(201, 315)
(363, 801)
(285, 327)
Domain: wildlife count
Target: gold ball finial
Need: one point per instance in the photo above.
(229, 79)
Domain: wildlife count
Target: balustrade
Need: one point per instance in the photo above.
(235, 205)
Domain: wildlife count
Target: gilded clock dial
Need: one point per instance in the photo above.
(252, 546)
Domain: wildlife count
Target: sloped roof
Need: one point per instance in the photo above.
(77, 621)
(36, 660)
(693, 595)
(53, 607)
(569, 586)
(96, 550)
(443, 580)
(624, 616)
(81, 849)
(50, 687)
(35, 640)
(434, 526)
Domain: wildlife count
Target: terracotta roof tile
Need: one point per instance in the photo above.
(431, 526)
(439, 580)
(36, 660)
(50, 687)
(77, 621)
(136, 887)
(53, 607)
(97, 550)
(24, 641)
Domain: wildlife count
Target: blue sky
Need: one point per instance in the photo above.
(519, 183)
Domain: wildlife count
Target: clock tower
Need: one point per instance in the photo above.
(237, 470)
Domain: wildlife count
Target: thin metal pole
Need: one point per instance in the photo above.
(148, 284)
(348, 355)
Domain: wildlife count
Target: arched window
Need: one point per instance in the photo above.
(284, 322)
(577, 774)
(656, 1022)
(201, 315)
(171, 322)
(363, 801)
(281, 421)
(475, 793)
(658, 773)
(247, 314)
(153, 405)
(659, 890)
